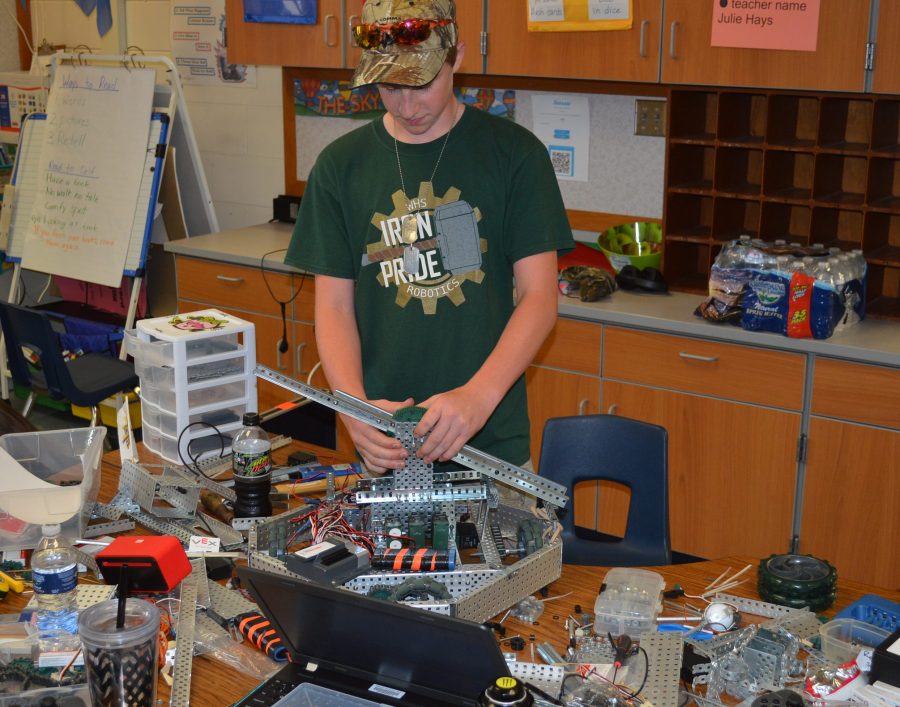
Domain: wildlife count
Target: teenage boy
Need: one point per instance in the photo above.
(433, 235)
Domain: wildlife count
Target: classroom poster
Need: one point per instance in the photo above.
(199, 46)
(563, 123)
(89, 172)
(766, 24)
(335, 99)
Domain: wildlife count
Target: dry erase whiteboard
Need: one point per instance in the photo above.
(89, 172)
(26, 182)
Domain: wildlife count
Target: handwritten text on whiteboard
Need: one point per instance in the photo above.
(96, 135)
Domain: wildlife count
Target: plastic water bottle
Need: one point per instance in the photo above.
(824, 271)
(252, 467)
(783, 266)
(859, 263)
(54, 567)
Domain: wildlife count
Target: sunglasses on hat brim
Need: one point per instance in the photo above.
(406, 32)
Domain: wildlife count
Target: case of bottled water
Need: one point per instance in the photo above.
(786, 288)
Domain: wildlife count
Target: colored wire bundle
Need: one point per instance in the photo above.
(328, 519)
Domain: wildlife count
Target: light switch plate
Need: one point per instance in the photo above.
(650, 117)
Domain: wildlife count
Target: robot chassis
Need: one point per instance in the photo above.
(475, 591)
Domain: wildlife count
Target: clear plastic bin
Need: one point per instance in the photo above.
(220, 417)
(168, 424)
(209, 443)
(150, 437)
(215, 369)
(630, 602)
(212, 347)
(196, 367)
(162, 353)
(168, 448)
(73, 695)
(149, 393)
(149, 413)
(222, 393)
(843, 639)
(57, 457)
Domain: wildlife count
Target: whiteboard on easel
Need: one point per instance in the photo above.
(25, 180)
(89, 172)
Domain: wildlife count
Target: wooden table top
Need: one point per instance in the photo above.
(214, 683)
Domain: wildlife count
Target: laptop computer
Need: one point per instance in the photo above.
(368, 648)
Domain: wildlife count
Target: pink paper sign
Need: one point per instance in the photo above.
(765, 24)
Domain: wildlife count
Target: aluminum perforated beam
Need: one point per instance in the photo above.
(532, 484)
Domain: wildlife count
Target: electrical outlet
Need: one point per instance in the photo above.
(650, 118)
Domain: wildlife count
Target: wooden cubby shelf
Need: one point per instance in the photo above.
(802, 167)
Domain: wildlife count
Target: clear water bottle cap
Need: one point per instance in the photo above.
(251, 419)
(51, 529)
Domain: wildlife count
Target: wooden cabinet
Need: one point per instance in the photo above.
(805, 168)
(565, 380)
(885, 77)
(852, 484)
(838, 64)
(328, 43)
(242, 291)
(320, 45)
(616, 55)
(732, 442)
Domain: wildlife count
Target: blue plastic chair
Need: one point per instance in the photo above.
(83, 381)
(612, 448)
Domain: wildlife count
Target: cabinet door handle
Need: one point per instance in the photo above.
(352, 21)
(582, 406)
(299, 358)
(611, 410)
(228, 278)
(673, 28)
(278, 362)
(643, 47)
(329, 22)
(698, 357)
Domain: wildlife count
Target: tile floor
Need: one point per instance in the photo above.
(45, 418)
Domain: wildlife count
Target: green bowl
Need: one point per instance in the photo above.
(619, 261)
(613, 242)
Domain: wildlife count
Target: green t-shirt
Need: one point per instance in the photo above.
(494, 200)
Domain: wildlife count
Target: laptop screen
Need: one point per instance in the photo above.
(384, 642)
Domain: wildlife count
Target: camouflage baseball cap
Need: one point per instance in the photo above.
(406, 64)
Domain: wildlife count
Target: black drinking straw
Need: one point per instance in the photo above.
(123, 595)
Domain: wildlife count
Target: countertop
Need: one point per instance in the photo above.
(871, 341)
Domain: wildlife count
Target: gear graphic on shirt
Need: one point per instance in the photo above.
(428, 291)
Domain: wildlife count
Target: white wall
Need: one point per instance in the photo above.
(240, 134)
(9, 33)
(238, 129)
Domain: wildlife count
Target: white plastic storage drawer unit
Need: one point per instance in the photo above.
(197, 381)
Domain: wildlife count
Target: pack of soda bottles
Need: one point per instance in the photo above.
(786, 288)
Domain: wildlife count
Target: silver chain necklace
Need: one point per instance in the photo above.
(409, 230)
(433, 172)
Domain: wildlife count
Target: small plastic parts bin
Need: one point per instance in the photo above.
(843, 639)
(629, 603)
(875, 610)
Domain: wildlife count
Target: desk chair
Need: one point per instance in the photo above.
(607, 447)
(83, 381)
